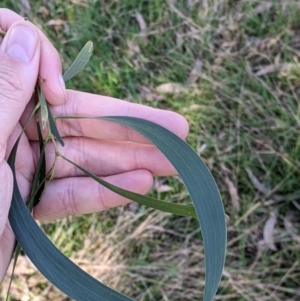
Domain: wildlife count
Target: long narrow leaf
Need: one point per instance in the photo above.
(81, 60)
(178, 209)
(202, 189)
(54, 265)
(40, 174)
(201, 186)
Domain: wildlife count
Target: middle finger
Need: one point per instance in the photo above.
(104, 157)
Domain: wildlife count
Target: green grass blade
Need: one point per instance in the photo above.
(202, 189)
(81, 60)
(178, 209)
(54, 265)
(53, 128)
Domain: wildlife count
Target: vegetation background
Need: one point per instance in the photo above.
(232, 67)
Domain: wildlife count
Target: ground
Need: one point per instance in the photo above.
(232, 69)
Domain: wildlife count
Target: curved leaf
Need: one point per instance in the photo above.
(202, 189)
(54, 265)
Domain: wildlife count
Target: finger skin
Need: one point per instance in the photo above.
(103, 158)
(67, 197)
(19, 63)
(87, 104)
(5, 193)
(50, 66)
(16, 83)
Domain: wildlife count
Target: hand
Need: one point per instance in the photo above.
(116, 153)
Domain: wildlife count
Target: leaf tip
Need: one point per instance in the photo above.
(91, 45)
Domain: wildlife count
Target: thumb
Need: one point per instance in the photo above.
(19, 64)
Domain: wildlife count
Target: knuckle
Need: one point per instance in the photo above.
(102, 197)
(122, 163)
(72, 127)
(11, 85)
(136, 157)
(81, 155)
(69, 199)
(130, 157)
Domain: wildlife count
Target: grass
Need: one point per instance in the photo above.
(244, 113)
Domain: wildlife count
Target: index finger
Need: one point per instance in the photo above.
(93, 105)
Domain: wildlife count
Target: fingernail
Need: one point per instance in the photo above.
(22, 42)
(63, 85)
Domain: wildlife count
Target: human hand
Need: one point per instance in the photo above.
(111, 151)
